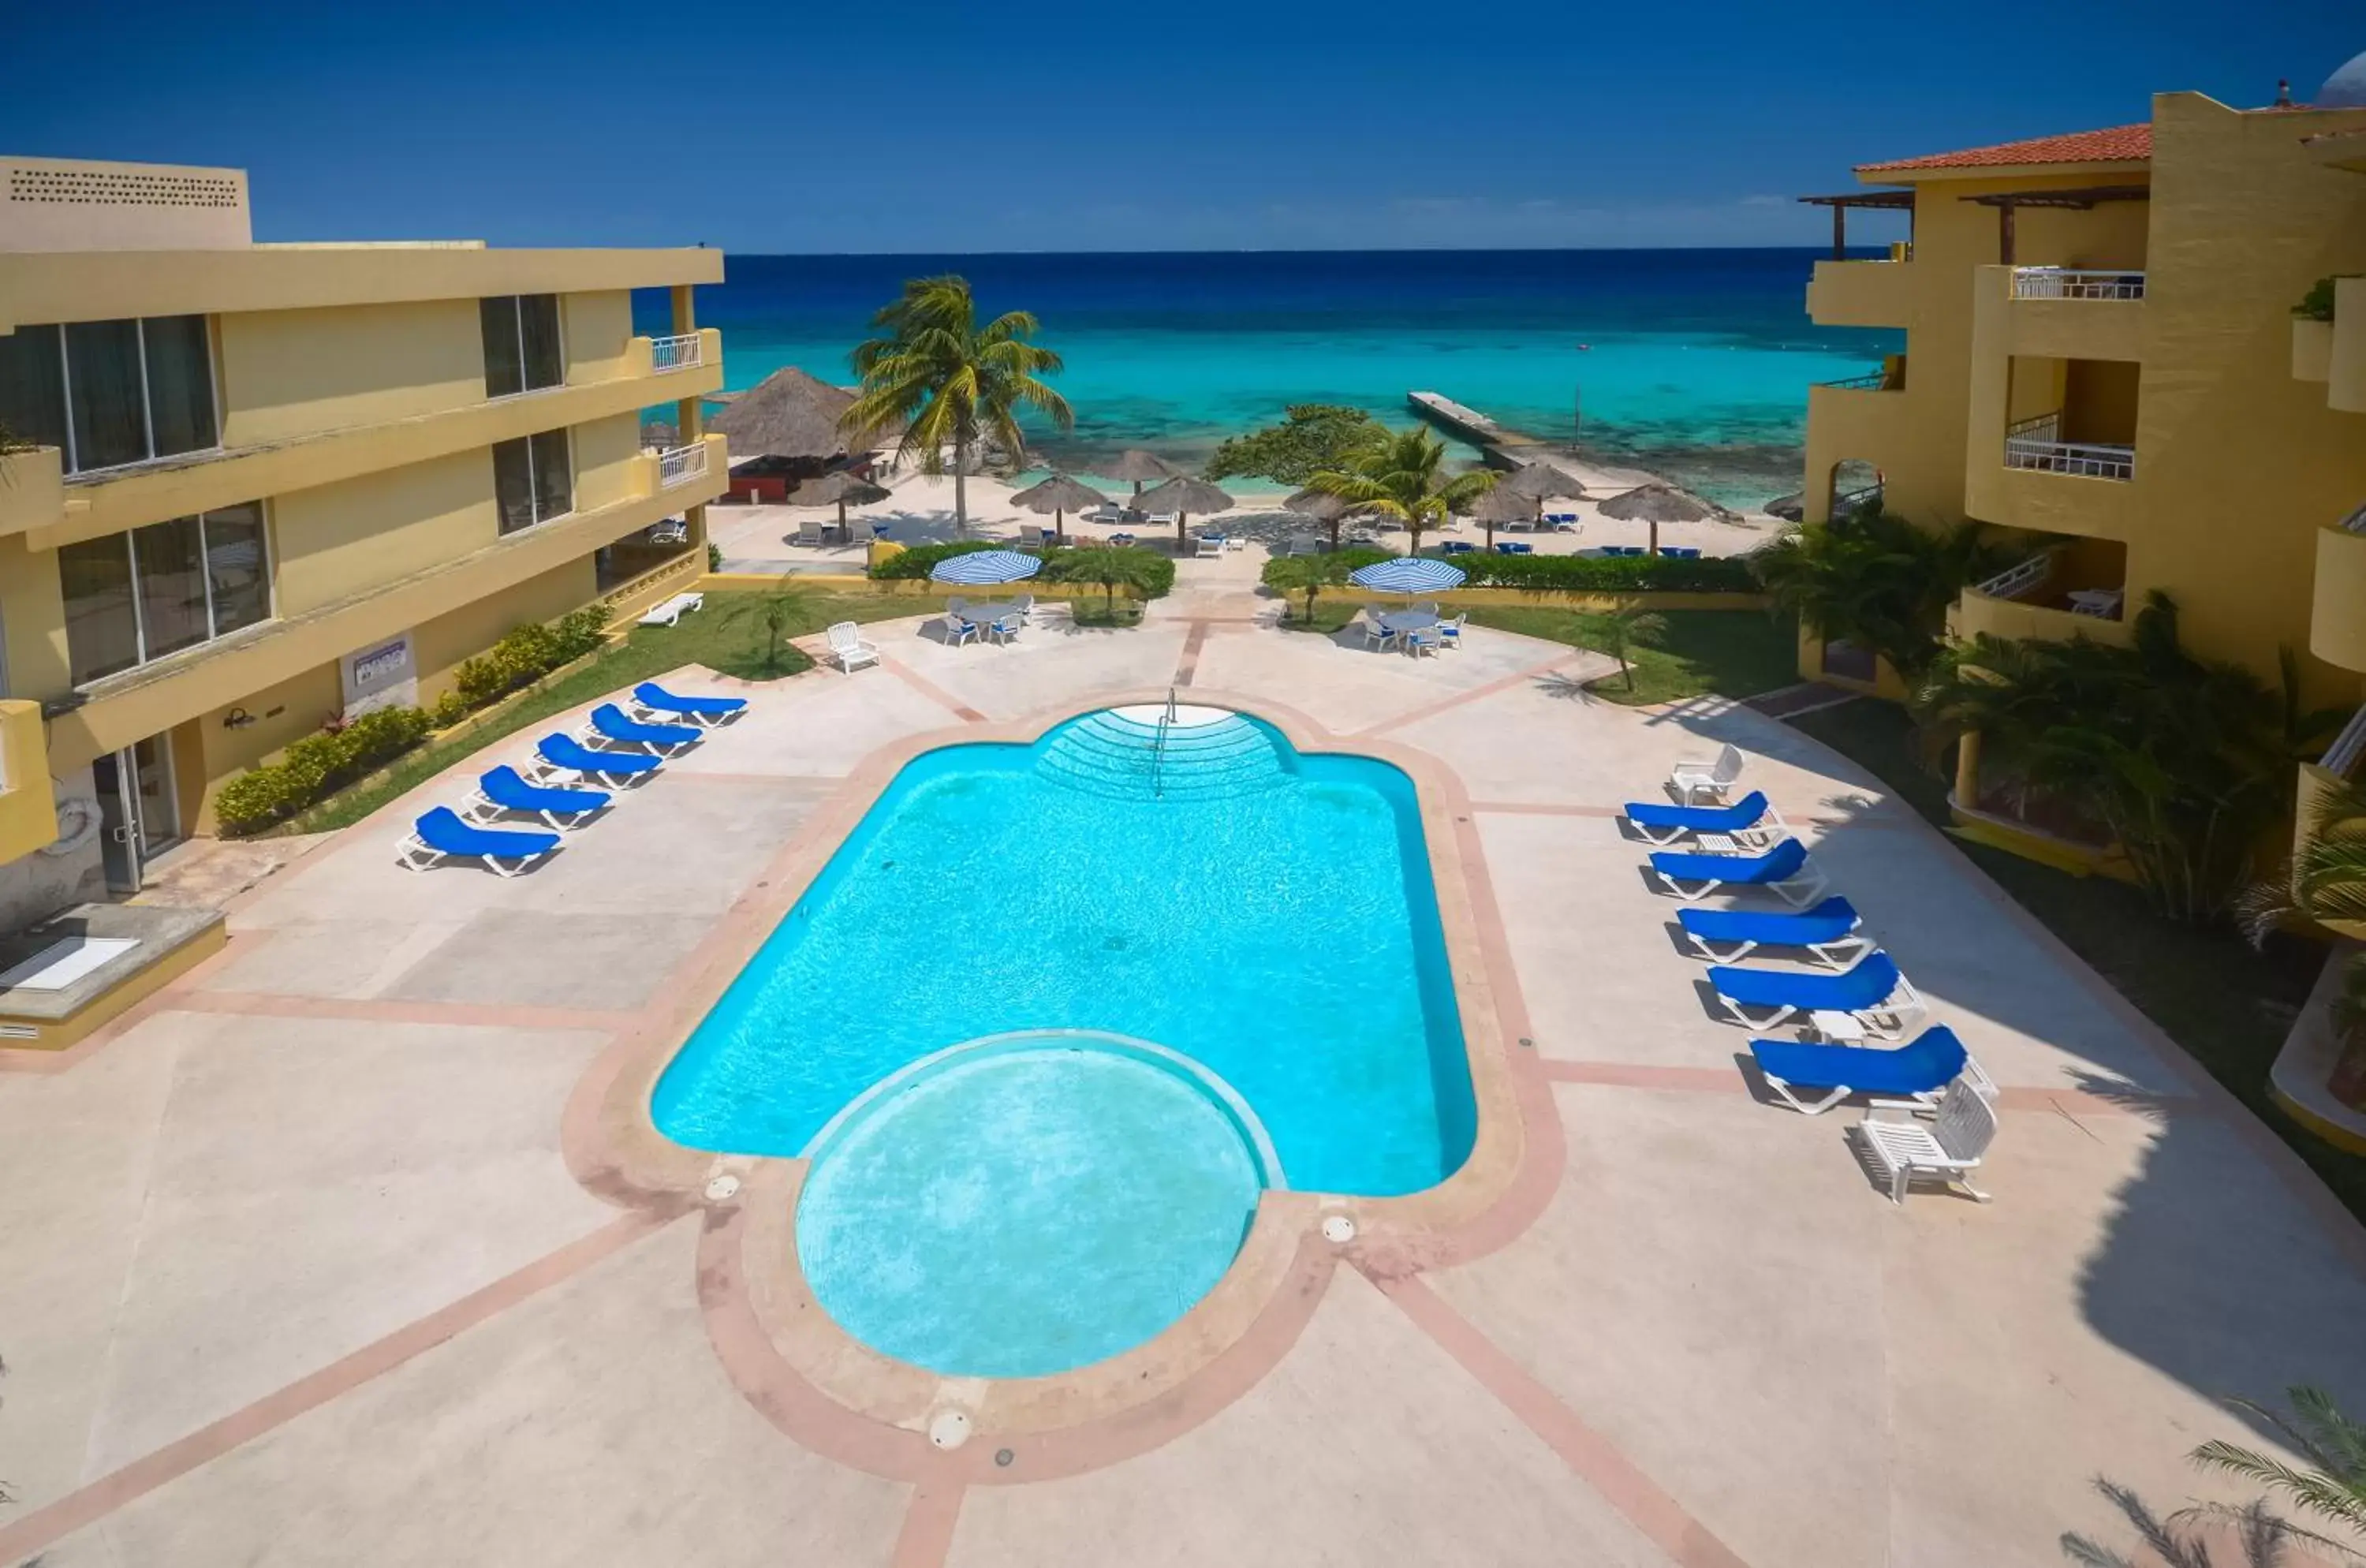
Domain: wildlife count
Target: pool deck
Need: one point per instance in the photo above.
(293, 1268)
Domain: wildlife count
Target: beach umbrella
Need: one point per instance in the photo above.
(1541, 482)
(1502, 506)
(1184, 496)
(1655, 504)
(1407, 574)
(981, 568)
(842, 487)
(1140, 467)
(1324, 507)
(1058, 494)
(790, 415)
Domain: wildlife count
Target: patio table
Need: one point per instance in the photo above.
(1403, 621)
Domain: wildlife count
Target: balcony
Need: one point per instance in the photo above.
(2042, 600)
(683, 465)
(1862, 425)
(685, 352)
(1862, 293)
(32, 489)
(2075, 314)
(29, 813)
(2035, 444)
(2076, 283)
(2337, 627)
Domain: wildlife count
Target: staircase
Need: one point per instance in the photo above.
(1126, 759)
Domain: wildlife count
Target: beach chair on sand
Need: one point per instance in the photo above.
(441, 835)
(1784, 869)
(1874, 992)
(1690, 780)
(1919, 1070)
(1208, 545)
(1951, 1143)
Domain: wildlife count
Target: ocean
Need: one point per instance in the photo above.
(1692, 363)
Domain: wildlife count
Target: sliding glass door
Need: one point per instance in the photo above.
(107, 394)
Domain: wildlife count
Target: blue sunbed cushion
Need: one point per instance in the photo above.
(1778, 864)
(649, 695)
(1930, 1061)
(1875, 976)
(503, 786)
(1828, 922)
(610, 720)
(443, 830)
(565, 752)
(1741, 814)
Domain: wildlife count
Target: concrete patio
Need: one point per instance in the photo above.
(293, 1269)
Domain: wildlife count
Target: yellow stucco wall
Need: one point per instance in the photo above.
(291, 373)
(28, 816)
(337, 540)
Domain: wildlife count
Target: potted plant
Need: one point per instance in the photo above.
(2312, 349)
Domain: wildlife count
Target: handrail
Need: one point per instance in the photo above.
(1872, 381)
(2076, 283)
(2015, 580)
(2086, 459)
(1158, 760)
(684, 351)
(2041, 427)
(1848, 500)
(682, 465)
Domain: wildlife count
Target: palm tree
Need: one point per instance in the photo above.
(1308, 575)
(1629, 625)
(1876, 581)
(1401, 478)
(1108, 568)
(2333, 1487)
(951, 383)
(780, 613)
(2326, 881)
(2173, 1542)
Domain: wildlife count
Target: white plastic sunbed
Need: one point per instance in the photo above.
(671, 611)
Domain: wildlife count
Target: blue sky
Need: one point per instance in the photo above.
(1025, 125)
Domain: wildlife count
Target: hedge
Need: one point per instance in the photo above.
(1610, 574)
(320, 766)
(917, 560)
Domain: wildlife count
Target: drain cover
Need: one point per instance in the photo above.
(723, 1188)
(1339, 1229)
(949, 1429)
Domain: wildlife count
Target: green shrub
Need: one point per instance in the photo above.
(2317, 305)
(449, 709)
(1154, 574)
(917, 560)
(1611, 574)
(1157, 571)
(314, 766)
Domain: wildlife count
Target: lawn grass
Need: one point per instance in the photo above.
(2227, 1005)
(727, 636)
(1734, 653)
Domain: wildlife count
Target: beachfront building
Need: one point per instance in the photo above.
(2103, 364)
(248, 488)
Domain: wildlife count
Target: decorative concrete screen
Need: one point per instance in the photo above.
(59, 204)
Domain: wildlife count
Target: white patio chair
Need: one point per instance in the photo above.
(1375, 634)
(846, 646)
(1693, 779)
(1952, 1143)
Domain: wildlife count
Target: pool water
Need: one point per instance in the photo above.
(1268, 915)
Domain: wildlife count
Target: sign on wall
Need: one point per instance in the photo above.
(384, 675)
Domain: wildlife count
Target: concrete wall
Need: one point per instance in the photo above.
(291, 373)
(38, 884)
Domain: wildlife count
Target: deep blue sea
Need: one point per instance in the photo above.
(1694, 363)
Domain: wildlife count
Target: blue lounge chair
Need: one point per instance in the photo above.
(1752, 820)
(609, 723)
(502, 790)
(1457, 548)
(441, 835)
(1919, 1070)
(1784, 868)
(654, 701)
(1829, 930)
(559, 755)
(1874, 991)
(1510, 547)
(1680, 552)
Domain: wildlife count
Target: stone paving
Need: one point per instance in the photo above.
(293, 1269)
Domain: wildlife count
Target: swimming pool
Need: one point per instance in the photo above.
(1266, 915)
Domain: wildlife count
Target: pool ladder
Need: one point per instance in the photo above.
(1158, 748)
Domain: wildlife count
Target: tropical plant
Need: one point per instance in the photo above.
(951, 384)
(2178, 759)
(2174, 1542)
(780, 612)
(1311, 438)
(1627, 627)
(2326, 880)
(1110, 568)
(2317, 305)
(2332, 1487)
(1876, 581)
(12, 442)
(1404, 477)
(1306, 575)
(1609, 574)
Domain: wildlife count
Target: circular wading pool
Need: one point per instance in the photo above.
(1030, 1204)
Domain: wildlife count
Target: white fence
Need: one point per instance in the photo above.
(2085, 460)
(682, 465)
(682, 353)
(2076, 283)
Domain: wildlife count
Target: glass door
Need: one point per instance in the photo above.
(154, 801)
(119, 822)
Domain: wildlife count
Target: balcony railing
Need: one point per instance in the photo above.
(682, 465)
(2076, 283)
(2085, 460)
(1871, 381)
(2015, 581)
(684, 353)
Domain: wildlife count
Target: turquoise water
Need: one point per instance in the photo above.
(1270, 916)
(1695, 362)
(1027, 1207)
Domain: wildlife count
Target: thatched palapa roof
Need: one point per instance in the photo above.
(1541, 481)
(1059, 493)
(792, 414)
(1659, 504)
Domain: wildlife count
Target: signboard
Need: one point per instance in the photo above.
(386, 675)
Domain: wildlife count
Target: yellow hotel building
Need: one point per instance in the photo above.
(253, 485)
(2102, 363)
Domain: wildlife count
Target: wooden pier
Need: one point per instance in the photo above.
(1500, 448)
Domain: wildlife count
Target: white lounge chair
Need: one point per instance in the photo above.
(846, 646)
(1210, 545)
(1304, 545)
(1947, 1147)
(1236, 541)
(671, 611)
(1690, 780)
(810, 533)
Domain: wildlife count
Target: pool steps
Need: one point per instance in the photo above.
(1111, 755)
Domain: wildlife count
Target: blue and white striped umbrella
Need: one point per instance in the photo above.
(981, 568)
(1407, 574)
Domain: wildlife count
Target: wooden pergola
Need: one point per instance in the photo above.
(1887, 200)
(2009, 201)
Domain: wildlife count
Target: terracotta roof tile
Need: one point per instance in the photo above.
(2118, 144)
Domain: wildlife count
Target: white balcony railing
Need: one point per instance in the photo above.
(682, 465)
(2015, 581)
(2076, 283)
(682, 353)
(2086, 459)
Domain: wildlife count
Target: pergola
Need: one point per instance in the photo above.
(2007, 202)
(1887, 200)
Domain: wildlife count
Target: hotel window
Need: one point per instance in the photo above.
(534, 479)
(523, 352)
(112, 393)
(137, 596)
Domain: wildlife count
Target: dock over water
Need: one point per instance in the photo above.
(1502, 448)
